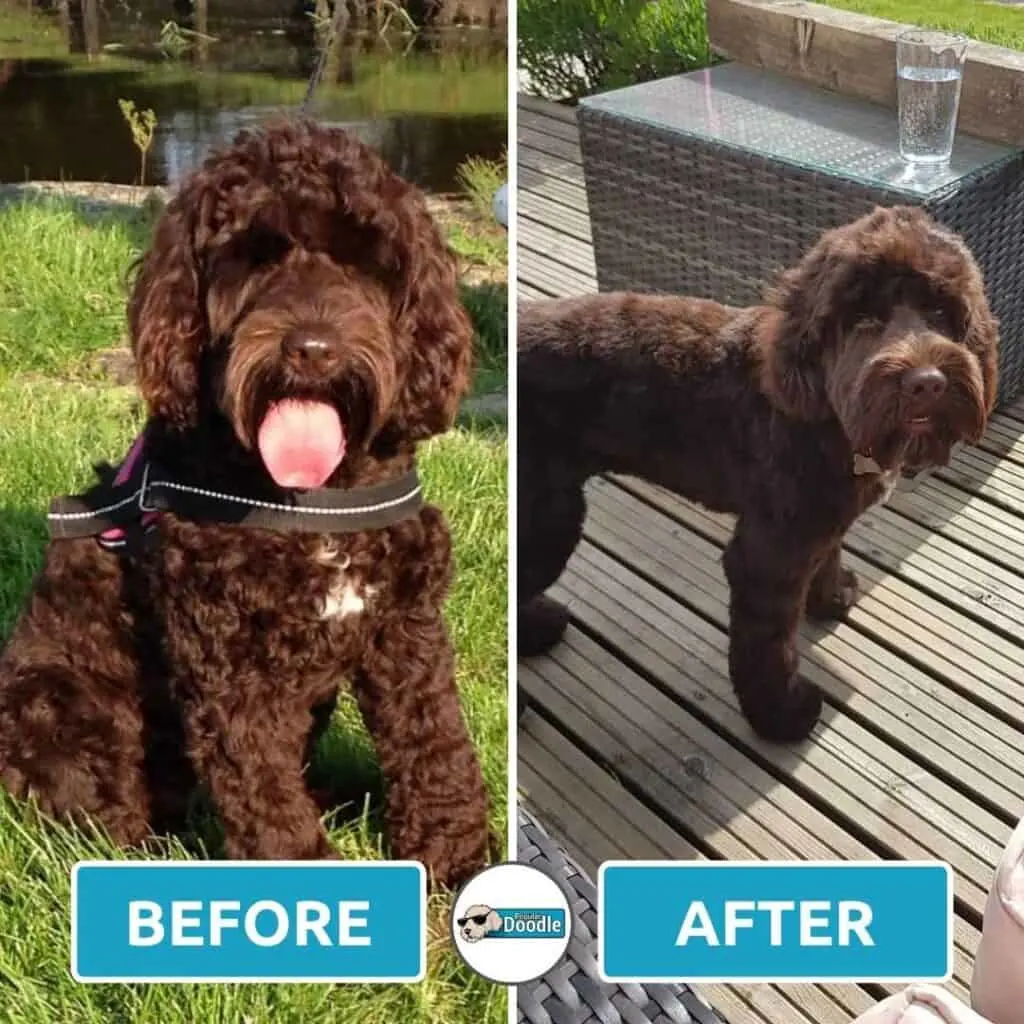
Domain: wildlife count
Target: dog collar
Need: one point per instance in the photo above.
(865, 465)
(141, 491)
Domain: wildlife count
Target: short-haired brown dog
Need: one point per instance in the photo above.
(872, 357)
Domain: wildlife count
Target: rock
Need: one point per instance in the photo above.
(493, 406)
(93, 195)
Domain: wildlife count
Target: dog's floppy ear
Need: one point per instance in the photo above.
(381, 223)
(493, 922)
(166, 320)
(795, 336)
(439, 330)
(983, 340)
(981, 328)
(811, 302)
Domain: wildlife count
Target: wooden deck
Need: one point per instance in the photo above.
(632, 744)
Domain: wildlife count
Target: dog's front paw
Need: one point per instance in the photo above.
(786, 719)
(451, 850)
(834, 601)
(542, 623)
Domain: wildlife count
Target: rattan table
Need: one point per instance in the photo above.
(572, 992)
(711, 183)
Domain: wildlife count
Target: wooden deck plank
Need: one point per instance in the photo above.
(980, 473)
(527, 293)
(561, 817)
(600, 797)
(627, 617)
(535, 104)
(951, 573)
(978, 525)
(853, 762)
(714, 774)
(856, 674)
(934, 635)
(594, 725)
(890, 828)
(557, 127)
(555, 215)
(853, 679)
(536, 162)
(538, 237)
(741, 832)
(768, 1002)
(1005, 438)
(646, 635)
(548, 276)
(559, 777)
(569, 195)
(985, 464)
(820, 1004)
(551, 145)
(1015, 409)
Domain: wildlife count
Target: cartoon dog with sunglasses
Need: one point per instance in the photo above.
(478, 922)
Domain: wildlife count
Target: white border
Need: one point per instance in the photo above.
(329, 865)
(768, 980)
(512, 424)
(511, 437)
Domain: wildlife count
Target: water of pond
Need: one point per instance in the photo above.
(426, 102)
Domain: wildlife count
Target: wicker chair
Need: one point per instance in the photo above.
(572, 992)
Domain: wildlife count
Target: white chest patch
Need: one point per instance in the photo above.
(342, 600)
(886, 479)
(347, 595)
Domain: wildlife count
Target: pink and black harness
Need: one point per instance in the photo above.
(120, 512)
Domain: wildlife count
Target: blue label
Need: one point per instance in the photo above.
(722, 922)
(529, 924)
(248, 921)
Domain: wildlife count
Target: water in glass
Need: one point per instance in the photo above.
(928, 99)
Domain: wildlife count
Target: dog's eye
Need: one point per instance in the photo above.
(943, 319)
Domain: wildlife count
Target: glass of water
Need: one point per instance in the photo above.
(930, 68)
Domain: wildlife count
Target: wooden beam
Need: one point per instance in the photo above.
(91, 23)
(201, 23)
(856, 55)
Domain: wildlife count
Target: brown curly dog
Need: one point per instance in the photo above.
(295, 325)
(873, 356)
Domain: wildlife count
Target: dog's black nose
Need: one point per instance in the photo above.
(923, 384)
(310, 351)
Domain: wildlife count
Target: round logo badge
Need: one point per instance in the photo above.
(511, 923)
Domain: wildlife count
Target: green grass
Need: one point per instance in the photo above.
(55, 422)
(50, 328)
(573, 48)
(482, 245)
(25, 33)
(411, 86)
(487, 304)
(480, 180)
(979, 19)
(382, 84)
(45, 324)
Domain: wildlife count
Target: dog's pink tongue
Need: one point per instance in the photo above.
(301, 443)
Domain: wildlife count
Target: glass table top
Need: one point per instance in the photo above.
(774, 116)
